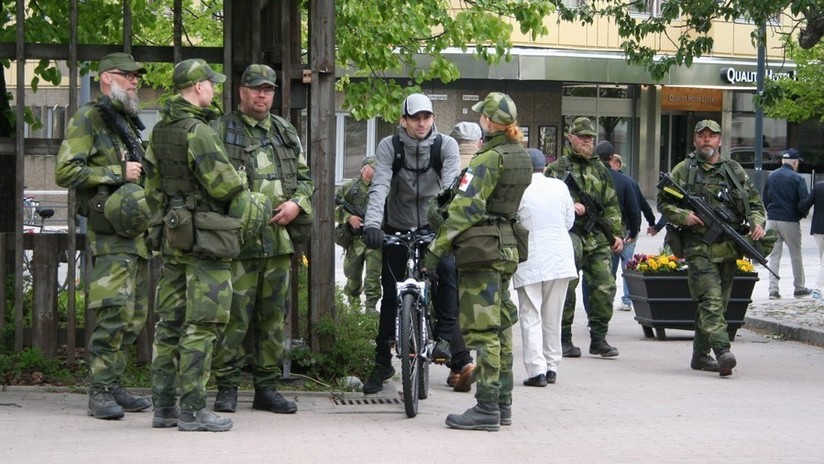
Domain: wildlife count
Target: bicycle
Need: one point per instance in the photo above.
(412, 323)
(39, 227)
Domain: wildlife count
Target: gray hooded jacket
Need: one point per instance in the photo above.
(407, 195)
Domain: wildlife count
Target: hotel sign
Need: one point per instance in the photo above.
(691, 99)
(737, 76)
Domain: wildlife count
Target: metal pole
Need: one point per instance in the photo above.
(759, 111)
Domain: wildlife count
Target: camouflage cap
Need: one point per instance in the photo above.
(258, 74)
(498, 107)
(369, 160)
(121, 61)
(582, 126)
(189, 72)
(707, 124)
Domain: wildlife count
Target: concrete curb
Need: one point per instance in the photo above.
(788, 330)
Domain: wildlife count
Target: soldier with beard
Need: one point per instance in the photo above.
(593, 253)
(93, 160)
(711, 267)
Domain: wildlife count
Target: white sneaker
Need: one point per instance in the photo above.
(624, 307)
(816, 295)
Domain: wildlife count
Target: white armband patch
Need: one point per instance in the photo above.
(465, 180)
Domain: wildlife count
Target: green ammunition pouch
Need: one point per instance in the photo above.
(216, 235)
(521, 240)
(300, 229)
(344, 237)
(96, 212)
(178, 228)
(478, 245)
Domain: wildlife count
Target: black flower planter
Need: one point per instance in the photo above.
(662, 301)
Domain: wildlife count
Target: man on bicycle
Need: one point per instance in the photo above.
(411, 169)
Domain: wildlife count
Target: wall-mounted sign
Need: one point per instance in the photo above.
(471, 98)
(437, 96)
(736, 76)
(691, 99)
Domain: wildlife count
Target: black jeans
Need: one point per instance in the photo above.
(445, 303)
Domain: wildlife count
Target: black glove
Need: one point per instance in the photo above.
(373, 237)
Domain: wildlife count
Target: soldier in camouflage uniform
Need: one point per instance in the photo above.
(91, 160)
(355, 192)
(190, 182)
(593, 253)
(481, 230)
(721, 182)
(266, 148)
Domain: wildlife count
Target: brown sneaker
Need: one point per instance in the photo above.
(465, 379)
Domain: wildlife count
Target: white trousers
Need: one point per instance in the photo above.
(540, 307)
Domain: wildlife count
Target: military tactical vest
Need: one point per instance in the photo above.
(170, 145)
(284, 142)
(723, 189)
(515, 178)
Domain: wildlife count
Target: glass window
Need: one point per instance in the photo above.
(353, 144)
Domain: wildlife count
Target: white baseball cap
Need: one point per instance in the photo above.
(416, 103)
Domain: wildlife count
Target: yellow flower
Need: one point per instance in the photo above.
(305, 261)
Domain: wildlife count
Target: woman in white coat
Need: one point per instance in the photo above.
(548, 212)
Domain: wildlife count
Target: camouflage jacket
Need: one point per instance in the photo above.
(261, 166)
(710, 180)
(592, 177)
(92, 155)
(356, 193)
(468, 207)
(208, 163)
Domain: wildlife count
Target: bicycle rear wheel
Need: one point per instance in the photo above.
(410, 354)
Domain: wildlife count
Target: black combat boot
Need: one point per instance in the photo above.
(128, 402)
(102, 405)
(482, 416)
(570, 350)
(726, 361)
(602, 348)
(165, 417)
(202, 421)
(506, 413)
(226, 400)
(703, 362)
(269, 399)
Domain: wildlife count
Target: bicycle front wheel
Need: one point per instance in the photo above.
(410, 354)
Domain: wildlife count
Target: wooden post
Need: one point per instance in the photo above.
(44, 308)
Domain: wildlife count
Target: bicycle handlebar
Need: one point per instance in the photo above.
(413, 237)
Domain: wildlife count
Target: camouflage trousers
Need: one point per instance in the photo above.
(596, 265)
(193, 300)
(486, 318)
(118, 293)
(260, 300)
(710, 285)
(357, 257)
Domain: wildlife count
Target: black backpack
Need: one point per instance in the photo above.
(435, 161)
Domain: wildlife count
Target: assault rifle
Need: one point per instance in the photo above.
(118, 123)
(350, 208)
(594, 209)
(717, 220)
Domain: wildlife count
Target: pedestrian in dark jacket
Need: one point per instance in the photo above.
(783, 192)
